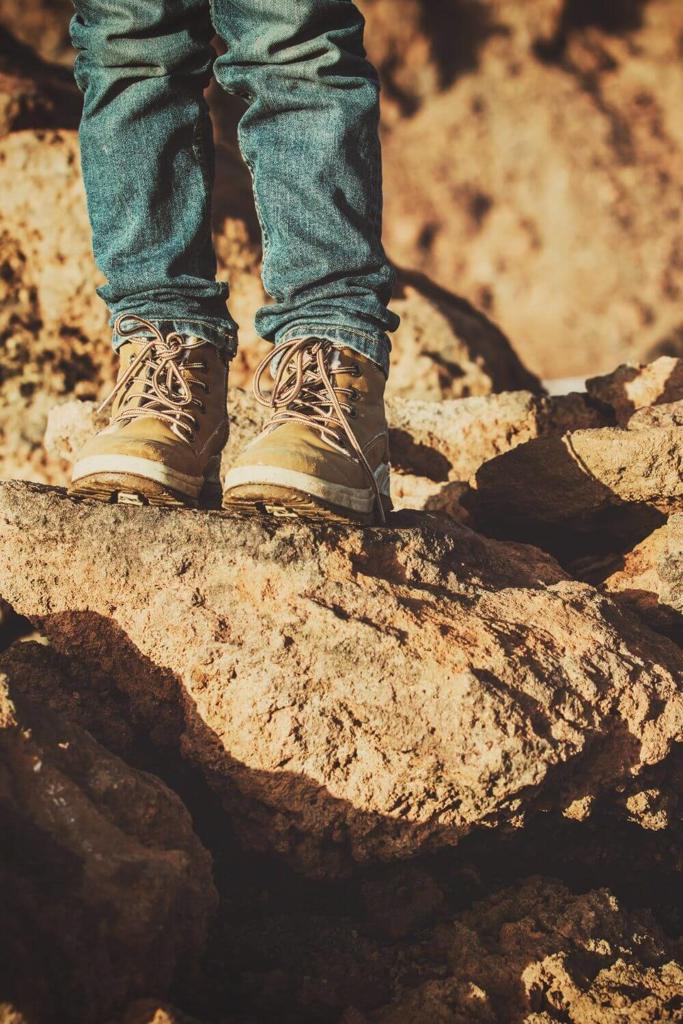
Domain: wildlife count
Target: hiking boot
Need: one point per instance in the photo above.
(168, 427)
(325, 451)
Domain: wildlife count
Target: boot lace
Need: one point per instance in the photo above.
(164, 391)
(304, 391)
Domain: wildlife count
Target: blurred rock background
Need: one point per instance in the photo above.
(533, 155)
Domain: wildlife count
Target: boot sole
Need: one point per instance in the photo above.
(116, 485)
(126, 489)
(286, 503)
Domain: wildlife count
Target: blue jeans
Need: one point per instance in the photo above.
(308, 135)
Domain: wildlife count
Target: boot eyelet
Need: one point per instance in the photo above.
(354, 394)
(356, 370)
(353, 414)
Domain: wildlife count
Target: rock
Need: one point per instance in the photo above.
(350, 694)
(606, 488)
(650, 580)
(445, 348)
(69, 426)
(105, 891)
(450, 440)
(538, 953)
(632, 389)
(53, 330)
(668, 414)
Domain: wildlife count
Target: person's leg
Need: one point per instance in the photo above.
(310, 138)
(147, 157)
(148, 164)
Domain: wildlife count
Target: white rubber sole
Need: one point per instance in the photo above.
(136, 466)
(356, 499)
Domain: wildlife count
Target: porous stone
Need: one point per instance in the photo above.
(634, 387)
(350, 694)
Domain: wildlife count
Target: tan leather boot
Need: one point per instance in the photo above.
(325, 452)
(168, 427)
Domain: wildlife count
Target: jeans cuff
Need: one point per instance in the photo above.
(221, 333)
(375, 346)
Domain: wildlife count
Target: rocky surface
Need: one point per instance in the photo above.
(105, 892)
(632, 391)
(351, 695)
(440, 776)
(450, 440)
(538, 954)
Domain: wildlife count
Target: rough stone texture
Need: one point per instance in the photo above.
(450, 440)
(105, 892)
(651, 578)
(576, 477)
(668, 414)
(53, 334)
(350, 694)
(632, 388)
(539, 954)
(69, 426)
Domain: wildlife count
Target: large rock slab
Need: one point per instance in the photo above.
(351, 694)
(105, 891)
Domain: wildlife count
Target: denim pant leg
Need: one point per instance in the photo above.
(147, 156)
(310, 138)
